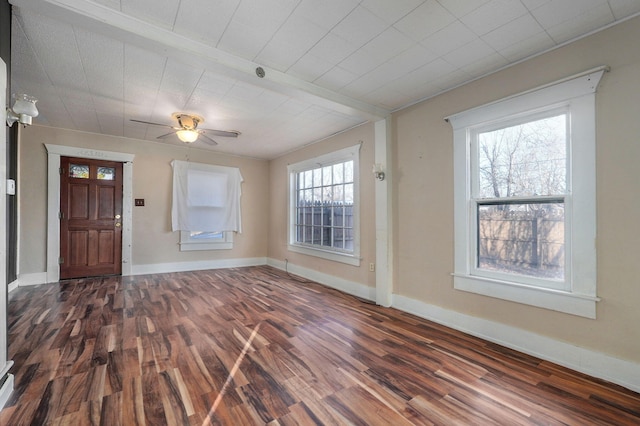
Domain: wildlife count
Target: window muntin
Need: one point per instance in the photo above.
(323, 206)
(519, 183)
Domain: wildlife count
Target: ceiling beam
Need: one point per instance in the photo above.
(130, 30)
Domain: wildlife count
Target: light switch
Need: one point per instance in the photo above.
(139, 202)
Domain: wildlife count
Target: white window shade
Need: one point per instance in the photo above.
(207, 189)
(206, 197)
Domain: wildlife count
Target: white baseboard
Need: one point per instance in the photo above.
(31, 279)
(12, 286)
(596, 364)
(155, 268)
(160, 268)
(7, 386)
(350, 287)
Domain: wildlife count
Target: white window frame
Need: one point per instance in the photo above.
(188, 243)
(577, 294)
(340, 156)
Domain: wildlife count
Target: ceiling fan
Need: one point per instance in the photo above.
(188, 131)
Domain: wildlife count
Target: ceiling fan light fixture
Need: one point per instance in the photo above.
(187, 135)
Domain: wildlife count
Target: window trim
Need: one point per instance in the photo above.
(339, 156)
(578, 94)
(187, 243)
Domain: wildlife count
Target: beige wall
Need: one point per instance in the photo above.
(153, 241)
(278, 225)
(424, 195)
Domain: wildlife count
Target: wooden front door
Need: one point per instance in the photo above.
(90, 218)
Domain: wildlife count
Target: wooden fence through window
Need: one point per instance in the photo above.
(521, 243)
(325, 224)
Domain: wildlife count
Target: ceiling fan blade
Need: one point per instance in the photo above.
(206, 139)
(153, 124)
(225, 133)
(166, 135)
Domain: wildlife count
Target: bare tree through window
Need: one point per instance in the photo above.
(521, 183)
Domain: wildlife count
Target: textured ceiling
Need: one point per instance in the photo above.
(330, 65)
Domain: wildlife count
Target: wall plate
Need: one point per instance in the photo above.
(11, 187)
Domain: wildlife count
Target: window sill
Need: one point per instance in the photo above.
(349, 259)
(561, 301)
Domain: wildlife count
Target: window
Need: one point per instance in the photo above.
(206, 205)
(324, 206)
(79, 171)
(518, 190)
(201, 240)
(524, 179)
(106, 173)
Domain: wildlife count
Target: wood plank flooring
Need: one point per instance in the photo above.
(249, 346)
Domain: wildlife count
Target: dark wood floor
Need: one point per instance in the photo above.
(254, 346)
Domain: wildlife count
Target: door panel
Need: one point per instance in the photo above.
(79, 244)
(79, 205)
(90, 224)
(105, 247)
(106, 205)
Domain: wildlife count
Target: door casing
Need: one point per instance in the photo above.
(54, 152)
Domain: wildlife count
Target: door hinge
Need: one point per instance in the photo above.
(60, 215)
(60, 260)
(60, 170)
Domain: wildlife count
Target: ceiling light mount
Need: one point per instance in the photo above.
(260, 72)
(187, 121)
